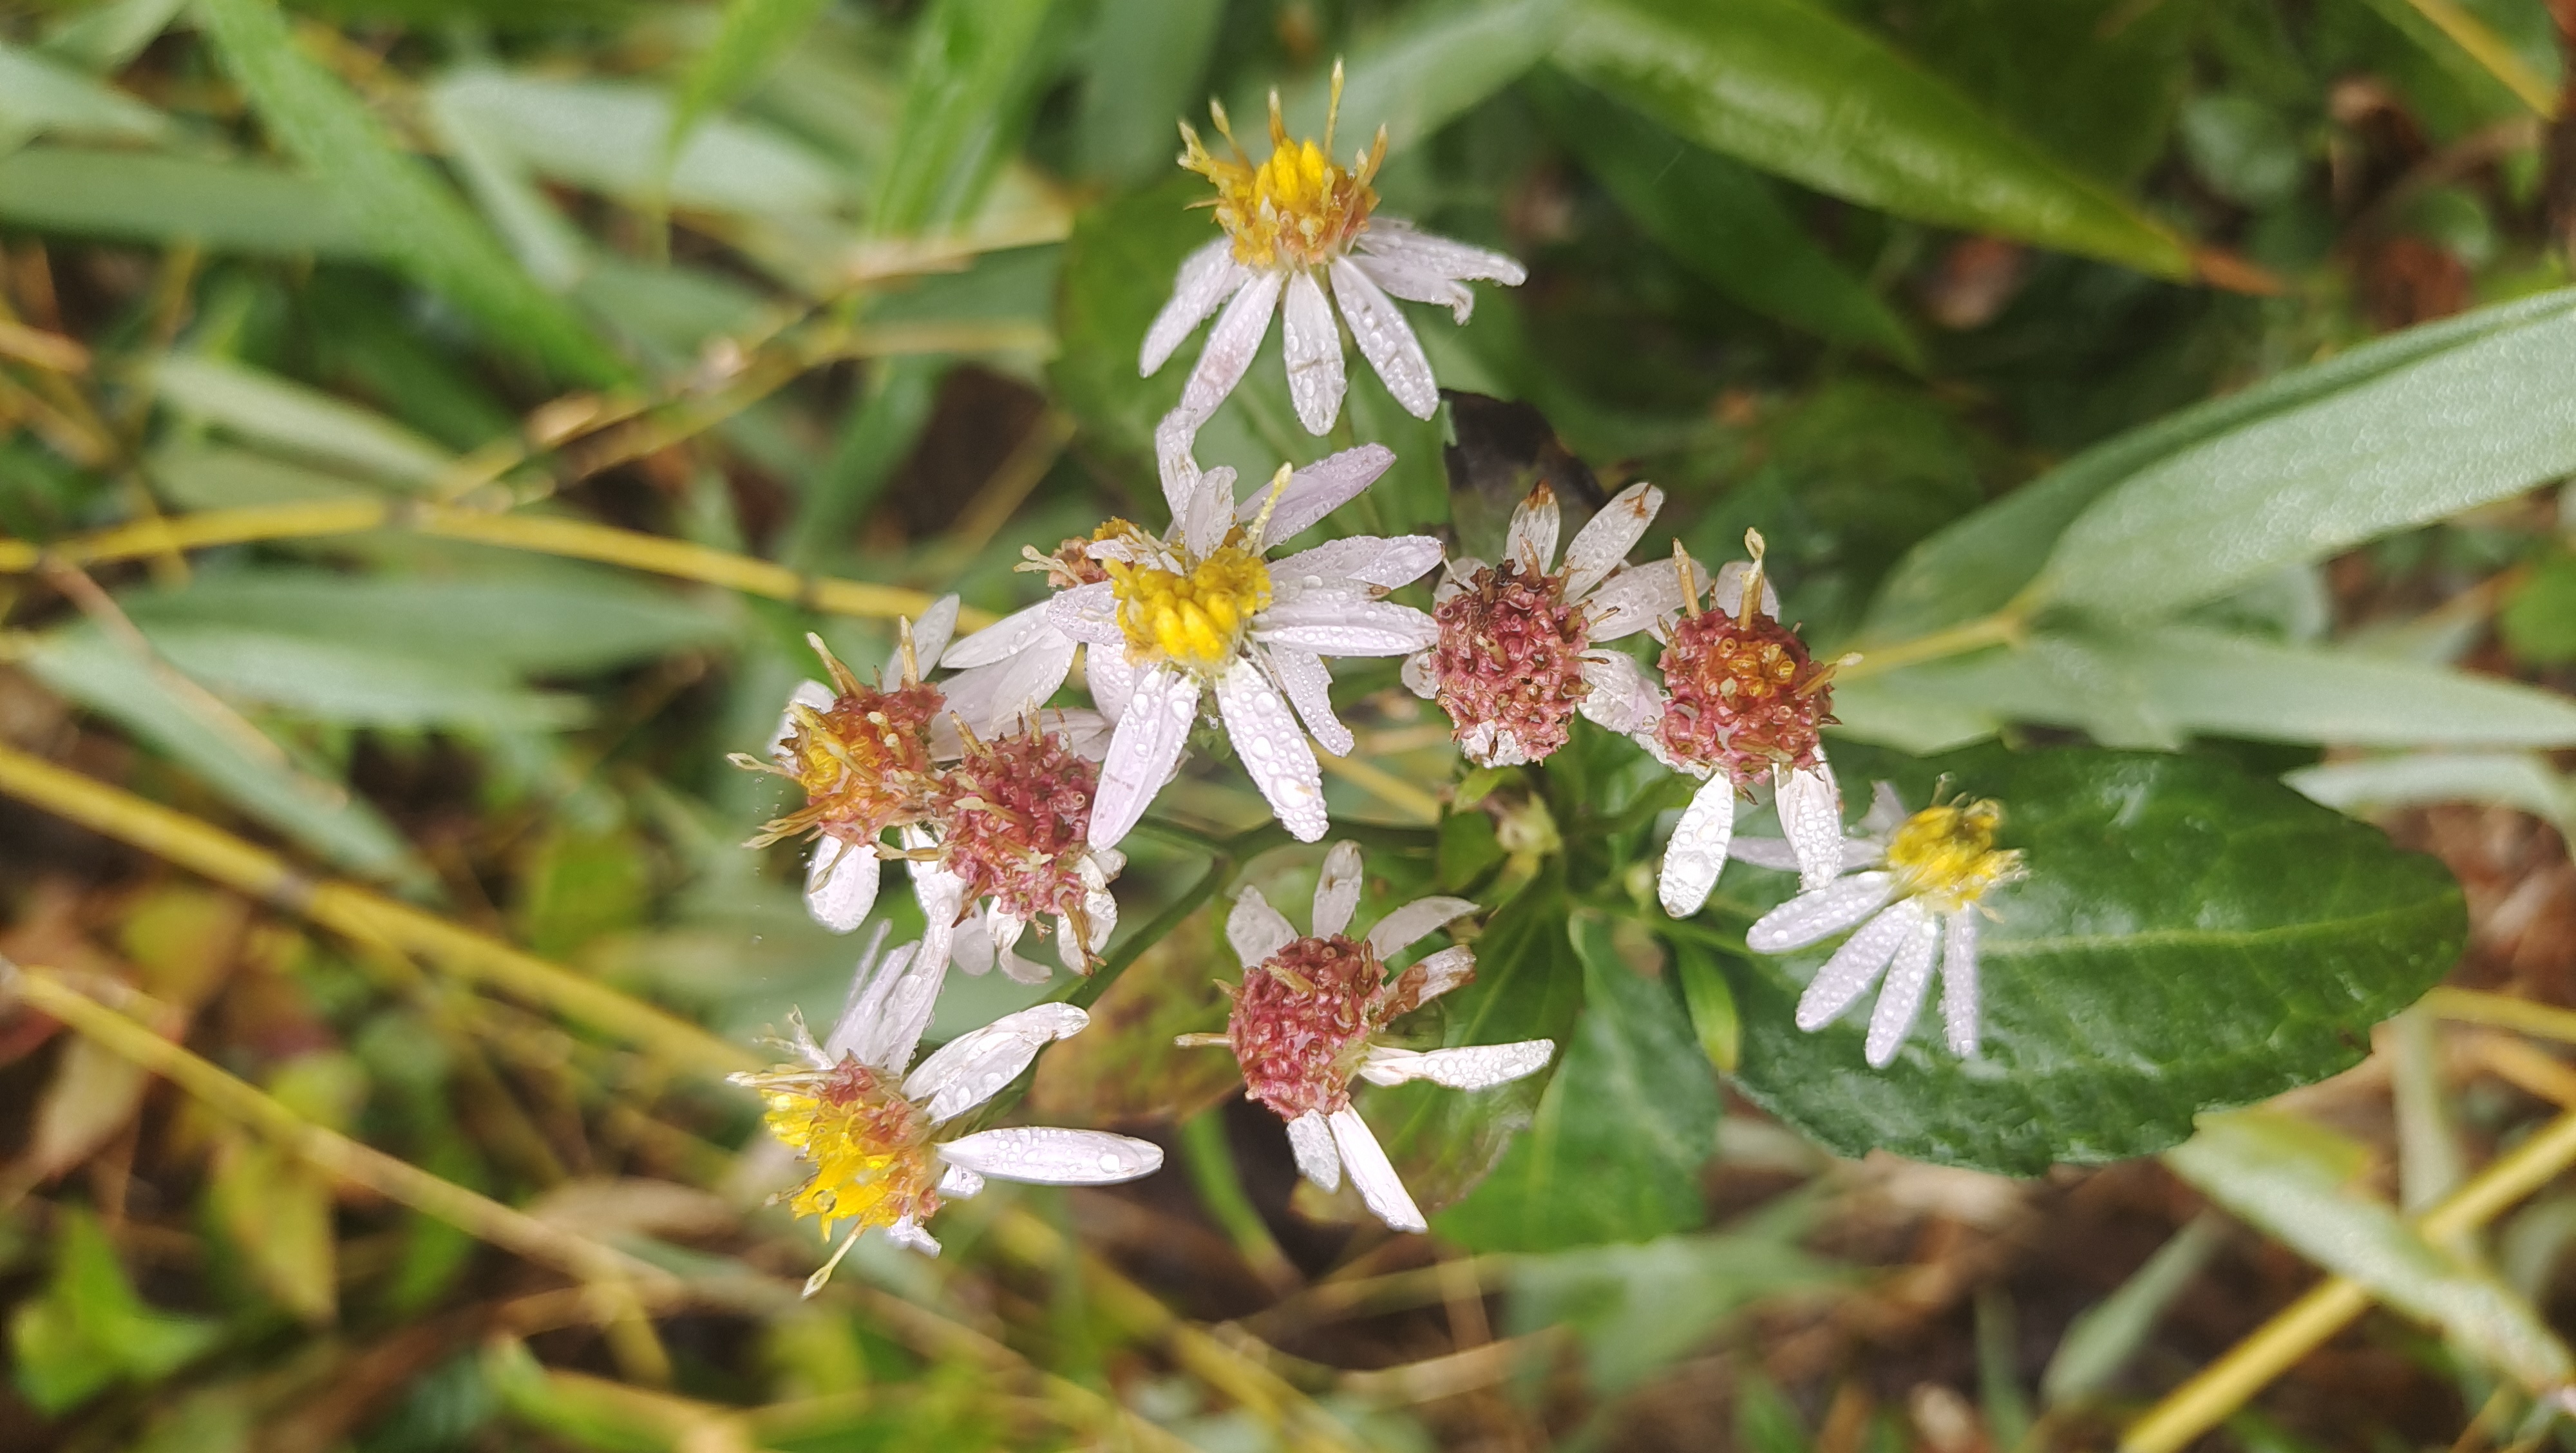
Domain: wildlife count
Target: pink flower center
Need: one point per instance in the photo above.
(1746, 697)
(1015, 812)
(1510, 660)
(1302, 1021)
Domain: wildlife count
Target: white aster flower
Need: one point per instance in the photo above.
(1519, 651)
(1201, 611)
(1294, 224)
(1921, 887)
(871, 1132)
(1309, 1012)
(1744, 707)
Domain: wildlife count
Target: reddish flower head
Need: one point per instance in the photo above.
(1013, 814)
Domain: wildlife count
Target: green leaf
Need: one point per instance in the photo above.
(2104, 1336)
(2273, 1172)
(1976, 565)
(295, 419)
(408, 215)
(2538, 621)
(2095, 81)
(42, 96)
(2522, 780)
(2189, 938)
(104, 38)
(1793, 88)
(1146, 61)
(970, 89)
(1711, 1003)
(139, 196)
(1720, 217)
(89, 1329)
(1118, 269)
(1621, 1133)
(1636, 1309)
(755, 36)
(1435, 64)
(323, 680)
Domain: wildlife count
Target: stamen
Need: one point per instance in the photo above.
(1752, 578)
(1278, 487)
(1690, 585)
(1333, 108)
(815, 1282)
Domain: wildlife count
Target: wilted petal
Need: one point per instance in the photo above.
(1207, 278)
(1045, 1155)
(1813, 917)
(1393, 237)
(1337, 889)
(1386, 340)
(1908, 977)
(1443, 970)
(1309, 687)
(1468, 1067)
(1273, 751)
(1312, 342)
(1605, 539)
(973, 1067)
(841, 883)
(1811, 814)
(1959, 982)
(1856, 965)
(1406, 926)
(1420, 674)
(1316, 491)
(1697, 852)
(1230, 347)
(1622, 698)
(1417, 284)
(1255, 930)
(1372, 1174)
(1143, 751)
(1088, 613)
(1531, 541)
(1340, 626)
(1311, 1141)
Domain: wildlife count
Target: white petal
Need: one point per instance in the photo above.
(1386, 339)
(1272, 749)
(1143, 751)
(973, 1067)
(1418, 284)
(1230, 347)
(1255, 930)
(905, 1232)
(1959, 982)
(957, 1183)
(1311, 1141)
(1697, 852)
(1309, 686)
(1313, 345)
(1468, 1067)
(1113, 680)
(1371, 1173)
(1339, 626)
(1176, 435)
(1337, 889)
(1316, 491)
(812, 695)
(1046, 1155)
(971, 946)
(1764, 852)
(1006, 932)
(1812, 917)
(999, 641)
(1396, 238)
(1622, 698)
(1811, 813)
(1605, 539)
(1444, 970)
(1901, 997)
(1849, 973)
(930, 635)
(1088, 613)
(1728, 593)
(1407, 925)
(1211, 511)
(1886, 810)
(996, 698)
(841, 883)
(1207, 277)
(1532, 538)
(1633, 599)
(1420, 673)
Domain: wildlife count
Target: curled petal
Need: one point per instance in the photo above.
(1045, 1155)
(1337, 889)
(973, 1067)
(1207, 278)
(1421, 674)
(1727, 594)
(1310, 1139)
(1372, 1174)
(1211, 511)
(1814, 917)
(1532, 538)
(1313, 345)
(1417, 284)
(1697, 852)
(1386, 340)
(905, 1232)
(993, 699)
(1272, 749)
(1441, 971)
(841, 883)
(1406, 926)
(957, 1183)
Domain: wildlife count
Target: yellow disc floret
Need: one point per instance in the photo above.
(1195, 620)
(1946, 855)
(1298, 209)
(869, 1146)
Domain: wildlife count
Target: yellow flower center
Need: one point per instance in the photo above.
(1195, 620)
(1946, 855)
(869, 1146)
(1298, 209)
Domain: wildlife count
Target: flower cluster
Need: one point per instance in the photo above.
(1008, 808)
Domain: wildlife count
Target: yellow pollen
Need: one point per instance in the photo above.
(1946, 855)
(1298, 209)
(1197, 620)
(868, 1145)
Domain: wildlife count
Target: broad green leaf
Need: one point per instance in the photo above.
(1527, 986)
(254, 775)
(1434, 64)
(1978, 564)
(970, 87)
(1143, 72)
(1637, 1309)
(138, 196)
(606, 136)
(1626, 1123)
(2455, 430)
(89, 1330)
(1720, 218)
(2270, 1170)
(2189, 938)
(41, 96)
(398, 204)
(295, 419)
(2167, 684)
(755, 36)
(1793, 88)
(2094, 81)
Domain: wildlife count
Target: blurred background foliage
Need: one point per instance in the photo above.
(722, 308)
